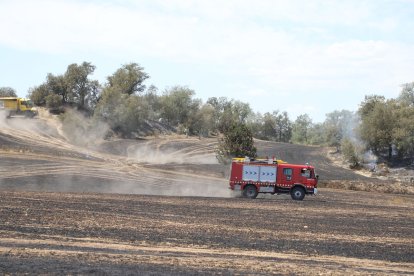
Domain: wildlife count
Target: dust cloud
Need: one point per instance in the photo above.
(81, 130)
(150, 153)
(62, 155)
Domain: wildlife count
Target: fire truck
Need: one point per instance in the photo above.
(253, 176)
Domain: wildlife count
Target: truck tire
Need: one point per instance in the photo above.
(297, 193)
(28, 114)
(250, 191)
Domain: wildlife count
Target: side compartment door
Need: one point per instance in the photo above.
(268, 174)
(251, 173)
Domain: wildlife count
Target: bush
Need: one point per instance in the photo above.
(236, 142)
(351, 153)
(54, 103)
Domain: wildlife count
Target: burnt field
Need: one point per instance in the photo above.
(162, 206)
(337, 231)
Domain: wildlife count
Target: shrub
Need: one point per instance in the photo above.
(236, 142)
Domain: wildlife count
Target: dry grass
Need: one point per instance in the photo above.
(380, 186)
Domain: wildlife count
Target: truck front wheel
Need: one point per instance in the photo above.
(297, 193)
(250, 191)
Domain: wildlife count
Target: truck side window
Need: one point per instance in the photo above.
(305, 172)
(288, 173)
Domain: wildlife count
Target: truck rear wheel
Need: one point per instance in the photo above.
(250, 191)
(297, 193)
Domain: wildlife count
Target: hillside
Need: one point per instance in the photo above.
(37, 155)
(161, 206)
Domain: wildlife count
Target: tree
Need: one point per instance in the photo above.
(378, 123)
(387, 126)
(151, 100)
(219, 105)
(369, 103)
(202, 122)
(407, 94)
(177, 105)
(74, 88)
(54, 102)
(123, 103)
(301, 128)
(38, 94)
(317, 134)
(404, 134)
(283, 127)
(236, 142)
(7, 92)
(125, 114)
(231, 112)
(128, 79)
(255, 124)
(58, 85)
(351, 153)
(83, 92)
(337, 125)
(112, 108)
(269, 126)
(241, 111)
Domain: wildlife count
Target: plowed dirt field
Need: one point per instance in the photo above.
(161, 206)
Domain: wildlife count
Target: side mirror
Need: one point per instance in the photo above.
(317, 176)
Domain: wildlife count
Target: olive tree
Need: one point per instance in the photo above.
(72, 88)
(300, 129)
(128, 79)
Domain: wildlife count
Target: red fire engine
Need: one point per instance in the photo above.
(272, 176)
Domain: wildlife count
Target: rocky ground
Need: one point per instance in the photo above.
(162, 206)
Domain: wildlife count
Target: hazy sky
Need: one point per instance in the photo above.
(296, 56)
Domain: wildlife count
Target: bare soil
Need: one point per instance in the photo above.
(336, 232)
(162, 206)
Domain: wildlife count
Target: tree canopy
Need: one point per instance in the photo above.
(236, 142)
(7, 92)
(73, 88)
(387, 126)
(128, 105)
(128, 79)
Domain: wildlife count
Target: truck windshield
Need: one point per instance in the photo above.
(27, 103)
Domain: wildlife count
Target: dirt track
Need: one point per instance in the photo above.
(91, 231)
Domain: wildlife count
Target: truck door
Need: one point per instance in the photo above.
(308, 176)
(287, 176)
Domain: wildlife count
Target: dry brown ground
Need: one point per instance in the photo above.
(336, 232)
(113, 208)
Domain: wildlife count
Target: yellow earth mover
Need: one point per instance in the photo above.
(13, 106)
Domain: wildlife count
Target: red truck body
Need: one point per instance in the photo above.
(272, 176)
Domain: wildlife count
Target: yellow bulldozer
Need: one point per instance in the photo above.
(12, 106)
